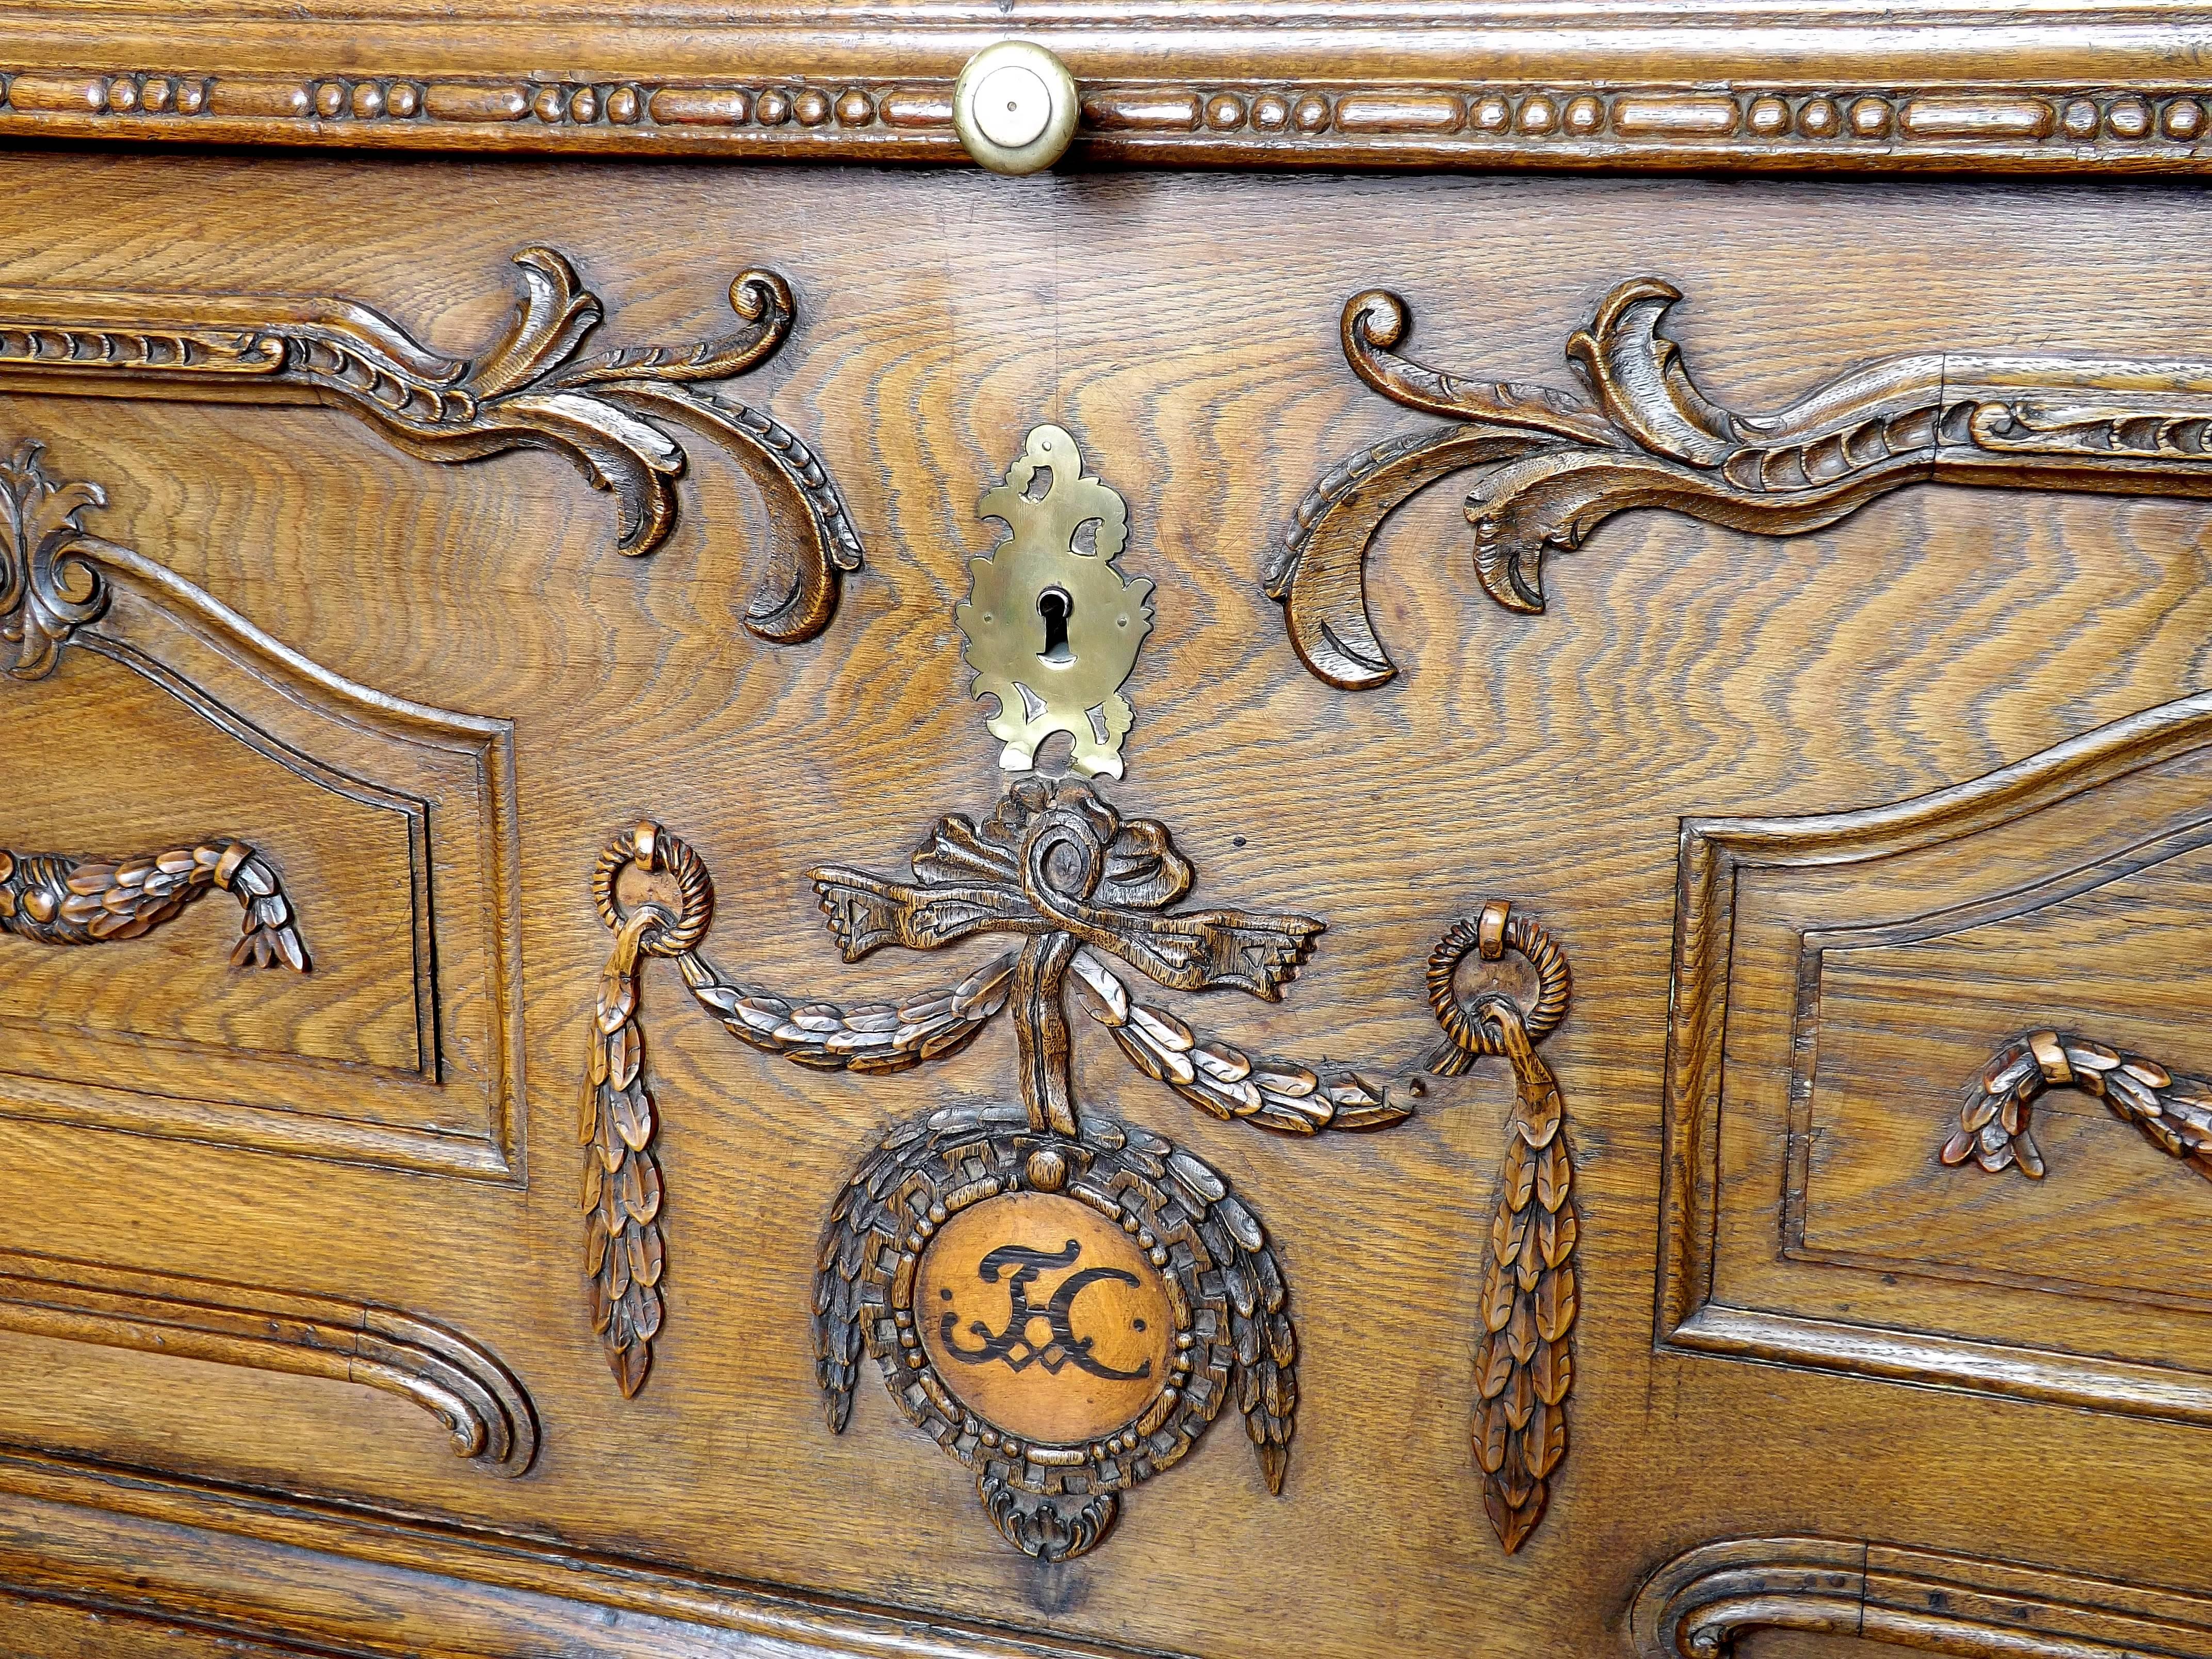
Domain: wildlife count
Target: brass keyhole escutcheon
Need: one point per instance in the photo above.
(1053, 627)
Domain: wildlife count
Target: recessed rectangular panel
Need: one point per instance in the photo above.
(388, 828)
(1844, 983)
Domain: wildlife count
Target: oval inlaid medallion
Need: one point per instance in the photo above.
(1044, 1318)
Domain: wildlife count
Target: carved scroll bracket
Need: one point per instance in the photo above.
(1550, 466)
(530, 389)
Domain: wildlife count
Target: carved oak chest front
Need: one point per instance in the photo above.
(1067, 832)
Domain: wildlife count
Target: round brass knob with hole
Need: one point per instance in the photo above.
(1014, 107)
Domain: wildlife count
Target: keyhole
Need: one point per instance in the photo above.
(1054, 607)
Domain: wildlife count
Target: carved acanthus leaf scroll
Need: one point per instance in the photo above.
(2174, 1113)
(55, 899)
(48, 589)
(1059, 868)
(531, 389)
(1550, 466)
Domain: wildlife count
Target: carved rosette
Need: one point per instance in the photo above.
(1550, 466)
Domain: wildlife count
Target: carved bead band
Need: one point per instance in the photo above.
(766, 111)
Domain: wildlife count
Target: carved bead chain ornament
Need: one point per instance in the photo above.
(1065, 1302)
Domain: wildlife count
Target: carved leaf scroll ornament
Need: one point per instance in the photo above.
(48, 588)
(608, 412)
(2174, 1113)
(1550, 466)
(982, 1255)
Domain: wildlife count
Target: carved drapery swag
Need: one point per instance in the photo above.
(1550, 466)
(1082, 888)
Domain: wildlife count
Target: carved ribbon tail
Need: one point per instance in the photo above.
(1041, 1022)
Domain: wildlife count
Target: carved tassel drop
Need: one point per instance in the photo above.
(1524, 1366)
(623, 1250)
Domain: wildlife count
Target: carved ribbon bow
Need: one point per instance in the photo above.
(1059, 864)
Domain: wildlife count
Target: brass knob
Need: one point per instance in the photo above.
(1014, 107)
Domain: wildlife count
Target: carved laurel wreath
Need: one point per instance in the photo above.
(1057, 867)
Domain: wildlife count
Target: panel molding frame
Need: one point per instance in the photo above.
(458, 1382)
(325, 1579)
(483, 745)
(1690, 1316)
(1699, 1604)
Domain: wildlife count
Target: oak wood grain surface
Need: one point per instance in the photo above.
(1184, 327)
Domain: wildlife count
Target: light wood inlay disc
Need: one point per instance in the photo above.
(1043, 1317)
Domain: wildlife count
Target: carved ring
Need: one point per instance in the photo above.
(1495, 931)
(656, 852)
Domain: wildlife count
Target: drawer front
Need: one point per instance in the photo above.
(1106, 913)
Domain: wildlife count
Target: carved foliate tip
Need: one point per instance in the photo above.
(1274, 1464)
(1375, 317)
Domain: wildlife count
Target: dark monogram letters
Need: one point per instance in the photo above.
(1013, 1344)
